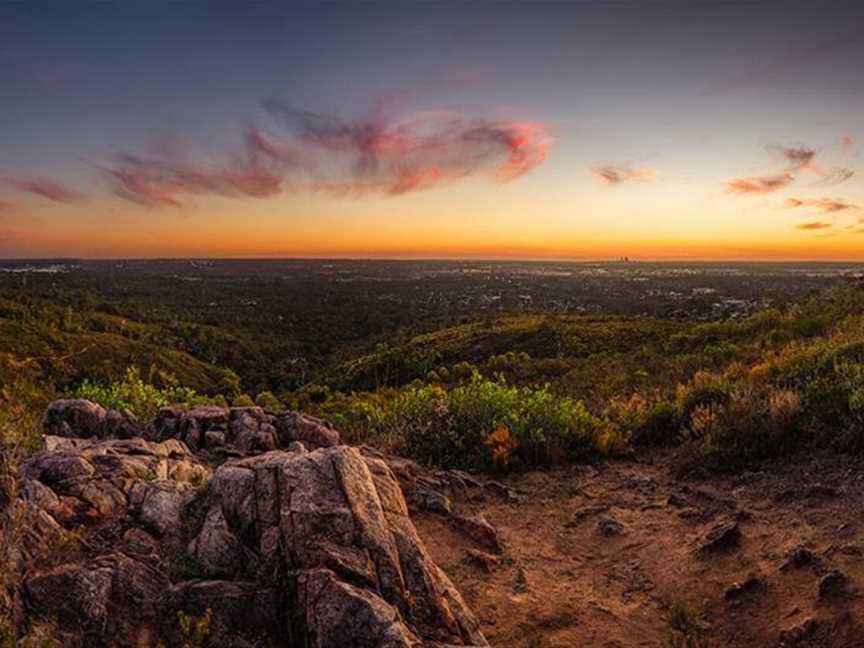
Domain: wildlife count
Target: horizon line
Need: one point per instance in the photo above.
(623, 259)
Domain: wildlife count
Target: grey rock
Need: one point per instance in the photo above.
(84, 597)
(339, 523)
(312, 546)
(74, 418)
(159, 505)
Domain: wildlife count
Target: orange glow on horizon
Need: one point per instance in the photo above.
(801, 245)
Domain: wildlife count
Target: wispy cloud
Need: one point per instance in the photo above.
(826, 205)
(160, 183)
(813, 226)
(394, 156)
(847, 142)
(759, 184)
(834, 177)
(5, 206)
(613, 175)
(318, 153)
(797, 159)
(47, 189)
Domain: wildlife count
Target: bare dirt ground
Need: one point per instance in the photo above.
(593, 555)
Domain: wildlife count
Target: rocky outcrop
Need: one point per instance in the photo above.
(128, 539)
(244, 429)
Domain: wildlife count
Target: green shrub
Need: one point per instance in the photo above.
(242, 400)
(195, 632)
(268, 401)
(453, 427)
(138, 397)
(810, 326)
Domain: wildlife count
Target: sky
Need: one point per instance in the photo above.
(565, 130)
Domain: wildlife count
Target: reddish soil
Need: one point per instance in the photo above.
(594, 555)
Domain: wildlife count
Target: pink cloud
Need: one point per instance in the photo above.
(759, 184)
(47, 189)
(318, 153)
(797, 160)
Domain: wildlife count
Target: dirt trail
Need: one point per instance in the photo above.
(591, 555)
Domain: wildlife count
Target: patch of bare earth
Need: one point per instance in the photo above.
(592, 555)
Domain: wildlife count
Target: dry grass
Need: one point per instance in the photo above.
(18, 438)
(686, 630)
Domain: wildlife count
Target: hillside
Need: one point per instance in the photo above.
(56, 349)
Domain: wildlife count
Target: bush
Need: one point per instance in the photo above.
(487, 423)
(268, 401)
(660, 426)
(242, 400)
(704, 393)
(138, 397)
(686, 630)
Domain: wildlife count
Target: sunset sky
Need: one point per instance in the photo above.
(583, 130)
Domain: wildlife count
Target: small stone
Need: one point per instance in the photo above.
(584, 513)
(749, 586)
(800, 557)
(486, 561)
(677, 500)
(855, 550)
(497, 489)
(833, 585)
(722, 536)
(609, 527)
(437, 502)
(479, 529)
(798, 633)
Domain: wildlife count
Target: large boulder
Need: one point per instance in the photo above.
(98, 601)
(84, 419)
(338, 524)
(74, 417)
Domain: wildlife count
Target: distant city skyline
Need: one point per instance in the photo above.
(582, 130)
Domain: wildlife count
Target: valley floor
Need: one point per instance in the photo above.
(594, 555)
